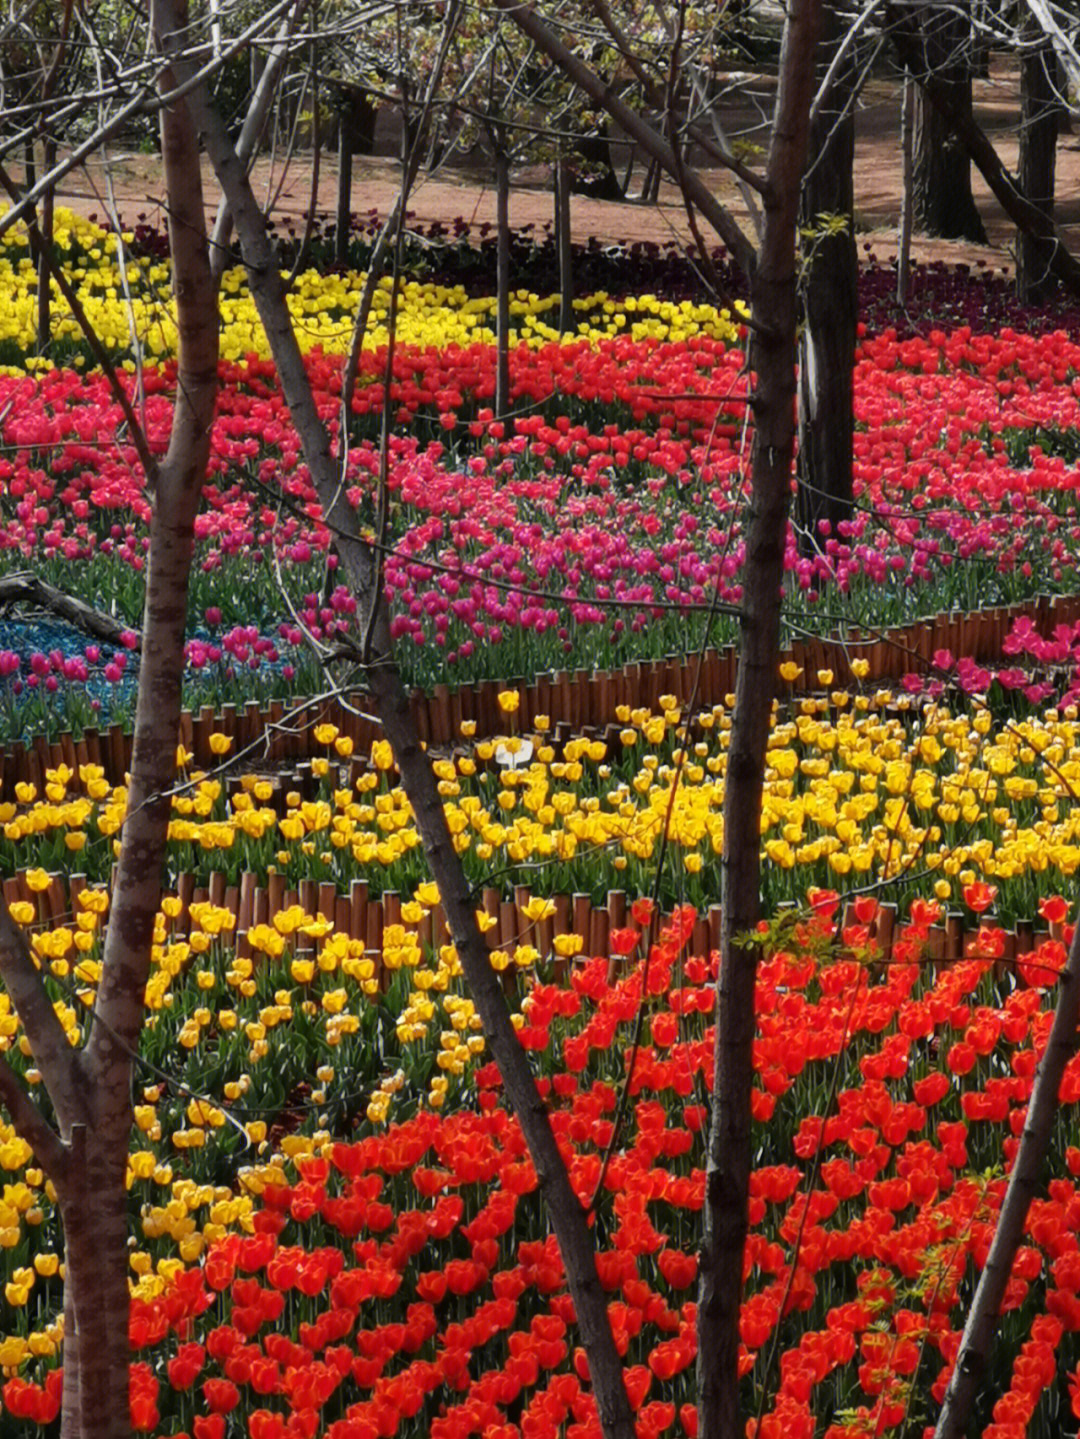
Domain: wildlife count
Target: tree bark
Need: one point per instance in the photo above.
(71, 1401)
(93, 1208)
(502, 281)
(344, 187)
(1025, 1183)
(603, 182)
(829, 307)
(1040, 109)
(391, 703)
(1013, 201)
(772, 360)
(944, 204)
(91, 1087)
(568, 1217)
(564, 246)
(907, 199)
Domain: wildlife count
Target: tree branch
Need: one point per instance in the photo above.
(1064, 47)
(840, 55)
(23, 585)
(654, 145)
(49, 1044)
(656, 97)
(49, 1150)
(1024, 1183)
(252, 128)
(1026, 216)
(144, 103)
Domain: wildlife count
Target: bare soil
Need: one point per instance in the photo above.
(466, 190)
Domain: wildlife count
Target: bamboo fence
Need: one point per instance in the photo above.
(279, 734)
(364, 917)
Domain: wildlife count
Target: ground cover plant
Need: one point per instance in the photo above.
(337, 1228)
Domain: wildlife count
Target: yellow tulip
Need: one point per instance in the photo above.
(13, 1351)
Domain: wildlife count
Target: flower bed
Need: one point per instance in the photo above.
(862, 789)
(352, 1286)
(122, 279)
(607, 529)
(920, 656)
(337, 1229)
(620, 487)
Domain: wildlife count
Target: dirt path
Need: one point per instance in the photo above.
(466, 191)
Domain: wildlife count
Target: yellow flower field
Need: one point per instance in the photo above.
(127, 297)
(859, 788)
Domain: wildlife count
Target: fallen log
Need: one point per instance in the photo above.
(26, 587)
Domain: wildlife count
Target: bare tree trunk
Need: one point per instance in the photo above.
(94, 1213)
(44, 287)
(391, 703)
(356, 130)
(91, 1087)
(93, 1198)
(650, 185)
(603, 182)
(502, 281)
(1040, 108)
(71, 1402)
(564, 246)
(344, 188)
(565, 1211)
(944, 204)
(829, 307)
(1025, 1183)
(907, 198)
(772, 359)
(1024, 215)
